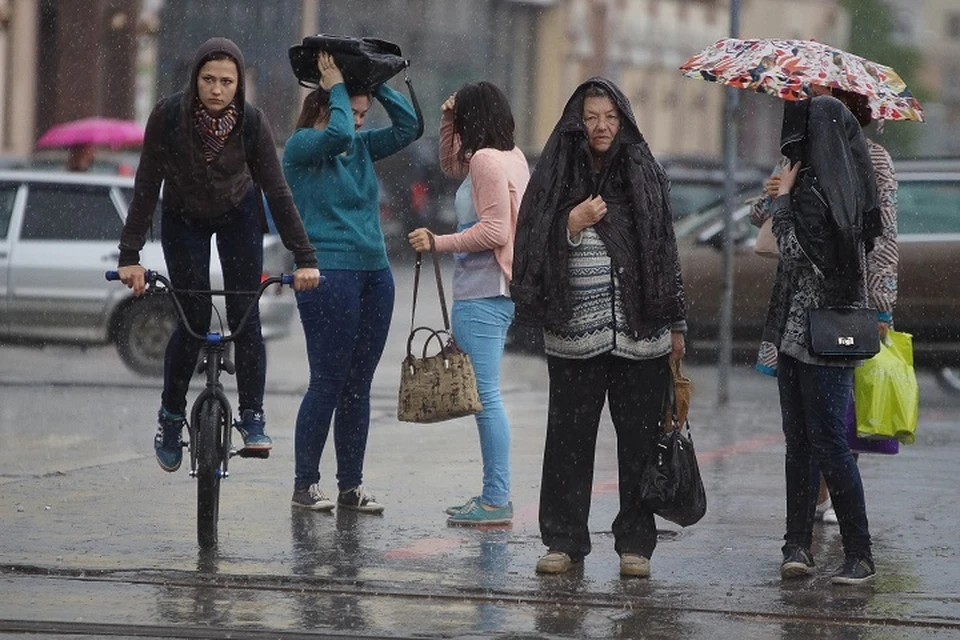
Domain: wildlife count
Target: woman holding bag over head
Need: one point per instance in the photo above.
(818, 219)
(328, 163)
(476, 144)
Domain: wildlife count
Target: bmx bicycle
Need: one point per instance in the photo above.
(211, 418)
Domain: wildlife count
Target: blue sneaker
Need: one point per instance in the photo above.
(251, 427)
(475, 515)
(454, 510)
(168, 443)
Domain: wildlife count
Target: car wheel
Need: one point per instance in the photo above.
(143, 332)
(949, 378)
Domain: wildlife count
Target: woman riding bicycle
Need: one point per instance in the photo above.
(201, 145)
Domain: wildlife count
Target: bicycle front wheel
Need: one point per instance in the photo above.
(210, 455)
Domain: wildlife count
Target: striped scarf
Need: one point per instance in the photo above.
(213, 130)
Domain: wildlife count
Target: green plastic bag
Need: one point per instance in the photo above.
(885, 391)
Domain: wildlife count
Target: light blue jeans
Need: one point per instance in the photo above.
(480, 328)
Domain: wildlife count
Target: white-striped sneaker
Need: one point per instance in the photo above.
(358, 499)
(312, 498)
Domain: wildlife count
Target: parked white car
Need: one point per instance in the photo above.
(58, 236)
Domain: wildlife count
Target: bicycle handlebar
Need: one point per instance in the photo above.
(153, 277)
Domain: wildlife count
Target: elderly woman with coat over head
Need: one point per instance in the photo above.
(596, 265)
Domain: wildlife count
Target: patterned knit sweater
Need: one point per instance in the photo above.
(598, 324)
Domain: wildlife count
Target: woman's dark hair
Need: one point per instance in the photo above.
(858, 104)
(482, 118)
(596, 91)
(218, 55)
(316, 107)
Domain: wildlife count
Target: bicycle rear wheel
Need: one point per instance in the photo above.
(209, 459)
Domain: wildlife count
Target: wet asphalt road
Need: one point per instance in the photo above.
(96, 541)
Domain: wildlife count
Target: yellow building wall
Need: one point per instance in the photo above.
(645, 42)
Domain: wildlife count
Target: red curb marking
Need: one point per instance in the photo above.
(424, 548)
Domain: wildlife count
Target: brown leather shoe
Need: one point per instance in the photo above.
(634, 566)
(555, 562)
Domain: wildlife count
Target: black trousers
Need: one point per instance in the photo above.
(578, 390)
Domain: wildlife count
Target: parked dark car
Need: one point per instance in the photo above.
(414, 193)
(699, 183)
(928, 304)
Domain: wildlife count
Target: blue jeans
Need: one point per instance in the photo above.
(813, 402)
(186, 248)
(345, 322)
(480, 328)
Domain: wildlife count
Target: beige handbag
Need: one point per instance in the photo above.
(766, 245)
(442, 386)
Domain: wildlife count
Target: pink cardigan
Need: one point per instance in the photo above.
(499, 179)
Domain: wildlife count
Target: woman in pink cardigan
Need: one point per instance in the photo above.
(476, 145)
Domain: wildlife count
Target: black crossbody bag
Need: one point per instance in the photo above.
(843, 333)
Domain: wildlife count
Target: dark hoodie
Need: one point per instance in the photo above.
(637, 230)
(197, 190)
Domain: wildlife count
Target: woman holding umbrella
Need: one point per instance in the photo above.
(822, 264)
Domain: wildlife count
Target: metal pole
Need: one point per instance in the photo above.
(730, 195)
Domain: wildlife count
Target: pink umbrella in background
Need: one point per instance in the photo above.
(110, 132)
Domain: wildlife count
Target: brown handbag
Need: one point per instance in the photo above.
(676, 412)
(766, 244)
(442, 386)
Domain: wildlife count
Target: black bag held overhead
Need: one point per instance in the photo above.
(365, 63)
(843, 333)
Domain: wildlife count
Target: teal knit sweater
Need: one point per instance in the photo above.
(330, 173)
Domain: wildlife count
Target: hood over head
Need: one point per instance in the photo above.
(572, 118)
(210, 49)
(826, 137)
(638, 230)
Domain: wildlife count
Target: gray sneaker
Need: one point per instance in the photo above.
(358, 499)
(312, 498)
(797, 563)
(854, 570)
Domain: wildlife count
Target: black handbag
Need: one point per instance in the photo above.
(843, 333)
(365, 63)
(671, 485)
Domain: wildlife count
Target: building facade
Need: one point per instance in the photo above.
(66, 59)
(932, 27)
(640, 44)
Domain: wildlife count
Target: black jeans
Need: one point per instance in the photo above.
(186, 248)
(578, 389)
(813, 402)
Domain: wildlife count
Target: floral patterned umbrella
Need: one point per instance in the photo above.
(786, 68)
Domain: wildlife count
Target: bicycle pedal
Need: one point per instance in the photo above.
(254, 453)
